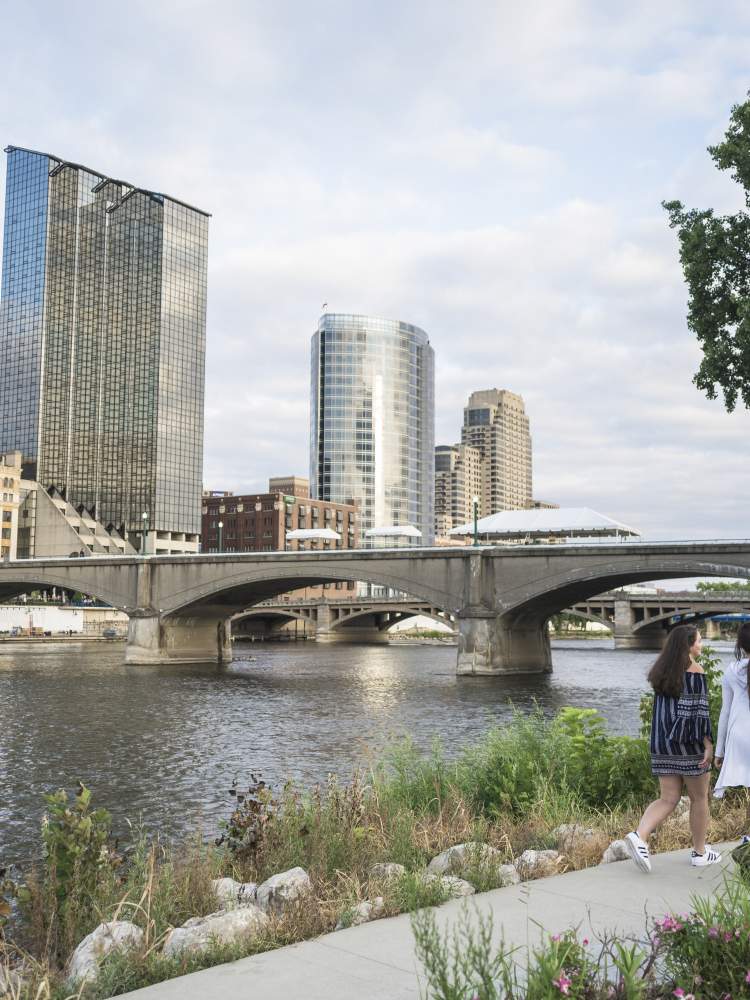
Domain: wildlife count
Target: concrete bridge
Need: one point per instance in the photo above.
(502, 596)
(635, 621)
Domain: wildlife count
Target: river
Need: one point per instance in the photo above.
(162, 745)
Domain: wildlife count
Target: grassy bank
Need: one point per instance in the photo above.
(510, 790)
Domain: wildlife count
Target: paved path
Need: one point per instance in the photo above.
(376, 961)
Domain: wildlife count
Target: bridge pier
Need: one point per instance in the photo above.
(491, 645)
(155, 639)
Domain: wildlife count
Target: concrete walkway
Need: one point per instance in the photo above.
(376, 961)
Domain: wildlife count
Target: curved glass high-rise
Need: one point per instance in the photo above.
(372, 404)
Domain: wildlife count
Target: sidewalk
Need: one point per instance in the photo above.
(376, 961)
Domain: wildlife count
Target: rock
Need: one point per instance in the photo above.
(569, 836)
(457, 887)
(230, 893)
(280, 890)
(617, 851)
(462, 856)
(534, 864)
(509, 875)
(387, 870)
(363, 912)
(224, 927)
(117, 935)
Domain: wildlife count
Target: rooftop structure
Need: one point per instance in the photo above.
(555, 524)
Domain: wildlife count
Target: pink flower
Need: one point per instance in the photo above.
(563, 983)
(556, 937)
(679, 992)
(713, 932)
(747, 977)
(585, 941)
(727, 936)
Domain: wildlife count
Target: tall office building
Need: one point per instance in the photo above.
(102, 336)
(495, 423)
(458, 479)
(372, 420)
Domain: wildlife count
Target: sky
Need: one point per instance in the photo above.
(491, 172)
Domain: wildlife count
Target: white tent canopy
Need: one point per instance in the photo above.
(558, 522)
(313, 534)
(394, 531)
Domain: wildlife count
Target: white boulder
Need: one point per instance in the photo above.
(462, 856)
(363, 912)
(617, 851)
(508, 874)
(387, 870)
(230, 893)
(569, 836)
(224, 927)
(280, 890)
(534, 864)
(116, 935)
(457, 887)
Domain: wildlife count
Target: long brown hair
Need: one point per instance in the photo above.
(742, 649)
(667, 676)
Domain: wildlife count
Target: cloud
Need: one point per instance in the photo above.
(492, 173)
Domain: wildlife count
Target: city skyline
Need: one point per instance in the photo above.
(510, 205)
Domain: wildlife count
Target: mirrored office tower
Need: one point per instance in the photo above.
(102, 329)
(372, 420)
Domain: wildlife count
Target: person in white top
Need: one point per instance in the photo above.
(733, 742)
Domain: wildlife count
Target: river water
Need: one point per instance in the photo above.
(162, 745)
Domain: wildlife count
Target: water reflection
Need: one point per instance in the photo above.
(164, 743)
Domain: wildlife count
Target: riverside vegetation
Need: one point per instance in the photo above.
(529, 786)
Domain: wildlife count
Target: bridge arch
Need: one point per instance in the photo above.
(402, 613)
(248, 586)
(691, 615)
(589, 616)
(551, 594)
(19, 581)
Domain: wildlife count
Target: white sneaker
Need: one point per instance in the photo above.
(711, 857)
(638, 851)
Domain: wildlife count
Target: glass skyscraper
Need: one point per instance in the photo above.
(372, 420)
(102, 333)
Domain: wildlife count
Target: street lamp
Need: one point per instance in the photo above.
(475, 504)
(144, 515)
(221, 528)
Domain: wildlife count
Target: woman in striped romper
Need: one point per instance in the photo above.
(681, 745)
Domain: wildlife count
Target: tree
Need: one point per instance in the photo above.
(715, 258)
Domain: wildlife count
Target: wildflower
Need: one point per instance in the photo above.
(656, 941)
(727, 936)
(585, 942)
(747, 977)
(713, 932)
(556, 937)
(563, 983)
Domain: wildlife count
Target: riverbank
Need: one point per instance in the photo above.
(380, 960)
(536, 797)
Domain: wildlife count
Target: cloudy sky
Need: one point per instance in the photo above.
(491, 172)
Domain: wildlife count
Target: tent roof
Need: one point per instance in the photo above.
(561, 521)
(307, 534)
(394, 531)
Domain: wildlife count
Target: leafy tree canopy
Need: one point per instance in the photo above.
(715, 257)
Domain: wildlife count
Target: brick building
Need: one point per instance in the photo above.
(258, 522)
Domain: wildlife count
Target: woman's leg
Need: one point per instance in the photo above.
(697, 789)
(670, 787)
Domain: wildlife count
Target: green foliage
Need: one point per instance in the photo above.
(76, 843)
(465, 964)
(713, 253)
(723, 587)
(252, 809)
(711, 664)
(707, 952)
(415, 780)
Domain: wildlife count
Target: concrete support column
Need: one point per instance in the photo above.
(156, 639)
(493, 645)
(713, 629)
(648, 637)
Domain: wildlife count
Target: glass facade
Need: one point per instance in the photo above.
(372, 432)
(102, 326)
